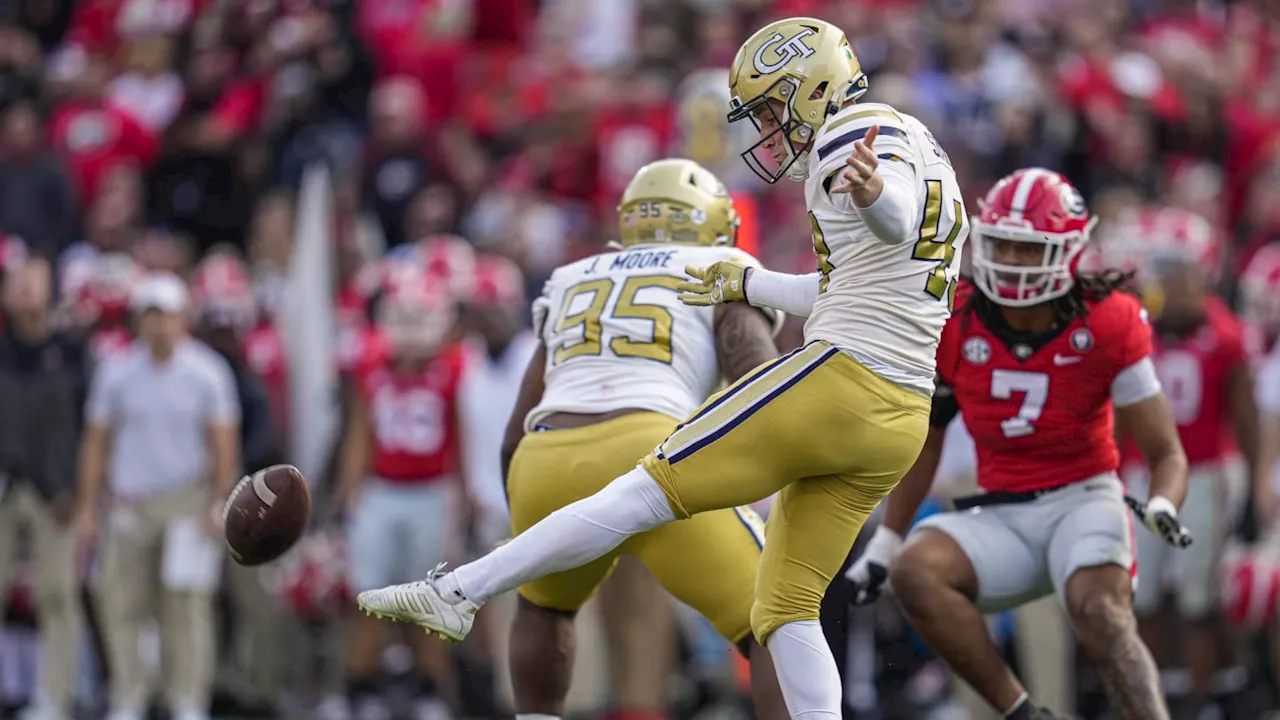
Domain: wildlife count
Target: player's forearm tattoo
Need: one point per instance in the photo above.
(743, 341)
(1129, 676)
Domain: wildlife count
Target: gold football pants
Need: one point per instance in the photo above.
(815, 424)
(708, 562)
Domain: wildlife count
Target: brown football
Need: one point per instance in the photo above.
(266, 514)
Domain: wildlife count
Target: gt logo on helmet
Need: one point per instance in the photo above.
(793, 47)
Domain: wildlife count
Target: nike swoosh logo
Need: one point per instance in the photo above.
(1066, 359)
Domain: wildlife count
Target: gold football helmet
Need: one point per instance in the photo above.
(806, 65)
(677, 201)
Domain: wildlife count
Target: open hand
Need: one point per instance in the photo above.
(861, 176)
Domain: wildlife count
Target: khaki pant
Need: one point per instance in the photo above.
(250, 663)
(57, 598)
(130, 590)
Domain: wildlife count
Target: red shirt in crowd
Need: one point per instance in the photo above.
(95, 139)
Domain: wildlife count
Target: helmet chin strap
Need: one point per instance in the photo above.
(799, 170)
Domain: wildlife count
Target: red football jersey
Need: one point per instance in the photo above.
(1194, 372)
(414, 433)
(1041, 418)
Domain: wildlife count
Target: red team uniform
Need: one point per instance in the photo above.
(1195, 372)
(1039, 405)
(415, 438)
(1041, 416)
(1039, 409)
(401, 523)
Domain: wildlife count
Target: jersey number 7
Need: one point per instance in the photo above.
(1035, 389)
(623, 307)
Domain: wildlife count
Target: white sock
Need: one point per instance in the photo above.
(567, 538)
(806, 670)
(535, 716)
(1017, 704)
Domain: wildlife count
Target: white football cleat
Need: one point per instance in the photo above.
(424, 603)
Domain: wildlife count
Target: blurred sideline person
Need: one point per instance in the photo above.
(833, 426)
(250, 657)
(43, 382)
(500, 349)
(400, 475)
(1201, 358)
(159, 455)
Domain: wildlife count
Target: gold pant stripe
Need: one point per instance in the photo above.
(832, 445)
(731, 408)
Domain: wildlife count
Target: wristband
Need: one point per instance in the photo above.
(884, 544)
(1159, 504)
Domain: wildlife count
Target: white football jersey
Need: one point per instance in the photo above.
(884, 303)
(617, 337)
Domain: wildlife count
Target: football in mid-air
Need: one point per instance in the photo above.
(266, 514)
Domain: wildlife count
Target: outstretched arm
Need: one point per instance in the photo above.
(1142, 410)
(792, 294)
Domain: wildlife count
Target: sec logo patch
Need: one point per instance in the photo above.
(1082, 340)
(976, 350)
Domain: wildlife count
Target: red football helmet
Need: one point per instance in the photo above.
(221, 290)
(1149, 237)
(1037, 207)
(312, 578)
(449, 260)
(1260, 290)
(1250, 586)
(415, 315)
(498, 282)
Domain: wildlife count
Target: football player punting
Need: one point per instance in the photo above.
(1036, 360)
(620, 361)
(833, 425)
(400, 477)
(1201, 360)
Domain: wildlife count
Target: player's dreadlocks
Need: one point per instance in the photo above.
(1088, 287)
(1096, 286)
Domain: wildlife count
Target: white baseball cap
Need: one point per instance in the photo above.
(162, 291)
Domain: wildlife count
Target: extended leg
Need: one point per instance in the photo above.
(936, 586)
(567, 538)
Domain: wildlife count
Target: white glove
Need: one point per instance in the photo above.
(1160, 517)
(870, 572)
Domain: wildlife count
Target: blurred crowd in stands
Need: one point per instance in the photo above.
(144, 136)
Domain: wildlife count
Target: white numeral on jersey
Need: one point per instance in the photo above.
(1183, 383)
(410, 421)
(1035, 389)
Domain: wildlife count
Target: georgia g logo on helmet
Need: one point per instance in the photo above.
(792, 47)
(1072, 201)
